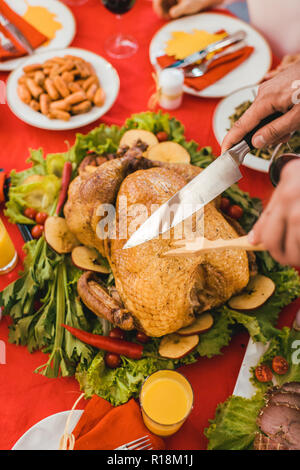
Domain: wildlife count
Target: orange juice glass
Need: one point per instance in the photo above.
(8, 254)
(166, 400)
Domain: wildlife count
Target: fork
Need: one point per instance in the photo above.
(201, 244)
(142, 441)
(7, 44)
(201, 69)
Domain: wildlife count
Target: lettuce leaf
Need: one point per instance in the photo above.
(234, 425)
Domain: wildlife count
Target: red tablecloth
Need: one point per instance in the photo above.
(25, 397)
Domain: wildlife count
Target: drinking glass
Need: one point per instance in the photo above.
(120, 46)
(281, 156)
(8, 254)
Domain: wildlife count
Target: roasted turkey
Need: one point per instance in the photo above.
(155, 294)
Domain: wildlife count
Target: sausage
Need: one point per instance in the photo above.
(58, 114)
(81, 108)
(61, 105)
(39, 78)
(35, 105)
(61, 86)
(23, 93)
(51, 90)
(99, 97)
(32, 68)
(76, 97)
(44, 103)
(89, 81)
(34, 89)
(92, 91)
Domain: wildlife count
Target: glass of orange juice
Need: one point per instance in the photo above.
(8, 254)
(166, 400)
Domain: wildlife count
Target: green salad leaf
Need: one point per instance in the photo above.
(234, 425)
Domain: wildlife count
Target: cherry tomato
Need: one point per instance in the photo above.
(280, 365)
(224, 204)
(112, 360)
(37, 231)
(235, 212)
(142, 337)
(162, 136)
(117, 333)
(30, 212)
(41, 218)
(263, 373)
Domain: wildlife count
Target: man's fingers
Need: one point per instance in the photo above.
(157, 7)
(182, 8)
(278, 129)
(250, 119)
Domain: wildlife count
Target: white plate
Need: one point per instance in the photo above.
(108, 78)
(251, 71)
(221, 123)
(46, 434)
(63, 37)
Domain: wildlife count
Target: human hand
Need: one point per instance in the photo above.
(287, 60)
(278, 228)
(170, 9)
(281, 93)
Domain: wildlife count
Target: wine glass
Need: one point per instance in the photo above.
(120, 45)
(282, 155)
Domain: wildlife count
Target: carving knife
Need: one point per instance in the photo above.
(210, 183)
(17, 34)
(191, 59)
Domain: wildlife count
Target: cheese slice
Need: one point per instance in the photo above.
(183, 44)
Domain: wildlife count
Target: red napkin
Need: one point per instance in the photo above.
(30, 32)
(216, 71)
(104, 427)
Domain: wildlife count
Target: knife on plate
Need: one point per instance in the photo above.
(17, 34)
(210, 183)
(191, 59)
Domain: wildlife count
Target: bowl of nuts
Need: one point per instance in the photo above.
(60, 90)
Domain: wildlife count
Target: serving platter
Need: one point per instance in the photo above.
(108, 77)
(251, 71)
(63, 36)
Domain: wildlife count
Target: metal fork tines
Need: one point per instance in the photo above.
(7, 44)
(142, 443)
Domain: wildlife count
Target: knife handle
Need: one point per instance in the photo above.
(264, 122)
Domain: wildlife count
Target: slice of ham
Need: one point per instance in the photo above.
(281, 422)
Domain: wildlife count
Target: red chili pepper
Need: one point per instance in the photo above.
(2, 182)
(66, 178)
(113, 345)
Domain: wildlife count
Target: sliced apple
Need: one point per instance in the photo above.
(174, 346)
(133, 135)
(257, 292)
(170, 152)
(203, 323)
(89, 259)
(58, 235)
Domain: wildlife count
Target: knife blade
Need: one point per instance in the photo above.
(191, 59)
(210, 183)
(17, 34)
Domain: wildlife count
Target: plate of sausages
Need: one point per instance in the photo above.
(61, 90)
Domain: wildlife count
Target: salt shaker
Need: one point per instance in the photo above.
(171, 88)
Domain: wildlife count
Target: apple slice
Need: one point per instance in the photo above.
(133, 135)
(203, 323)
(257, 292)
(88, 259)
(174, 346)
(58, 235)
(170, 152)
